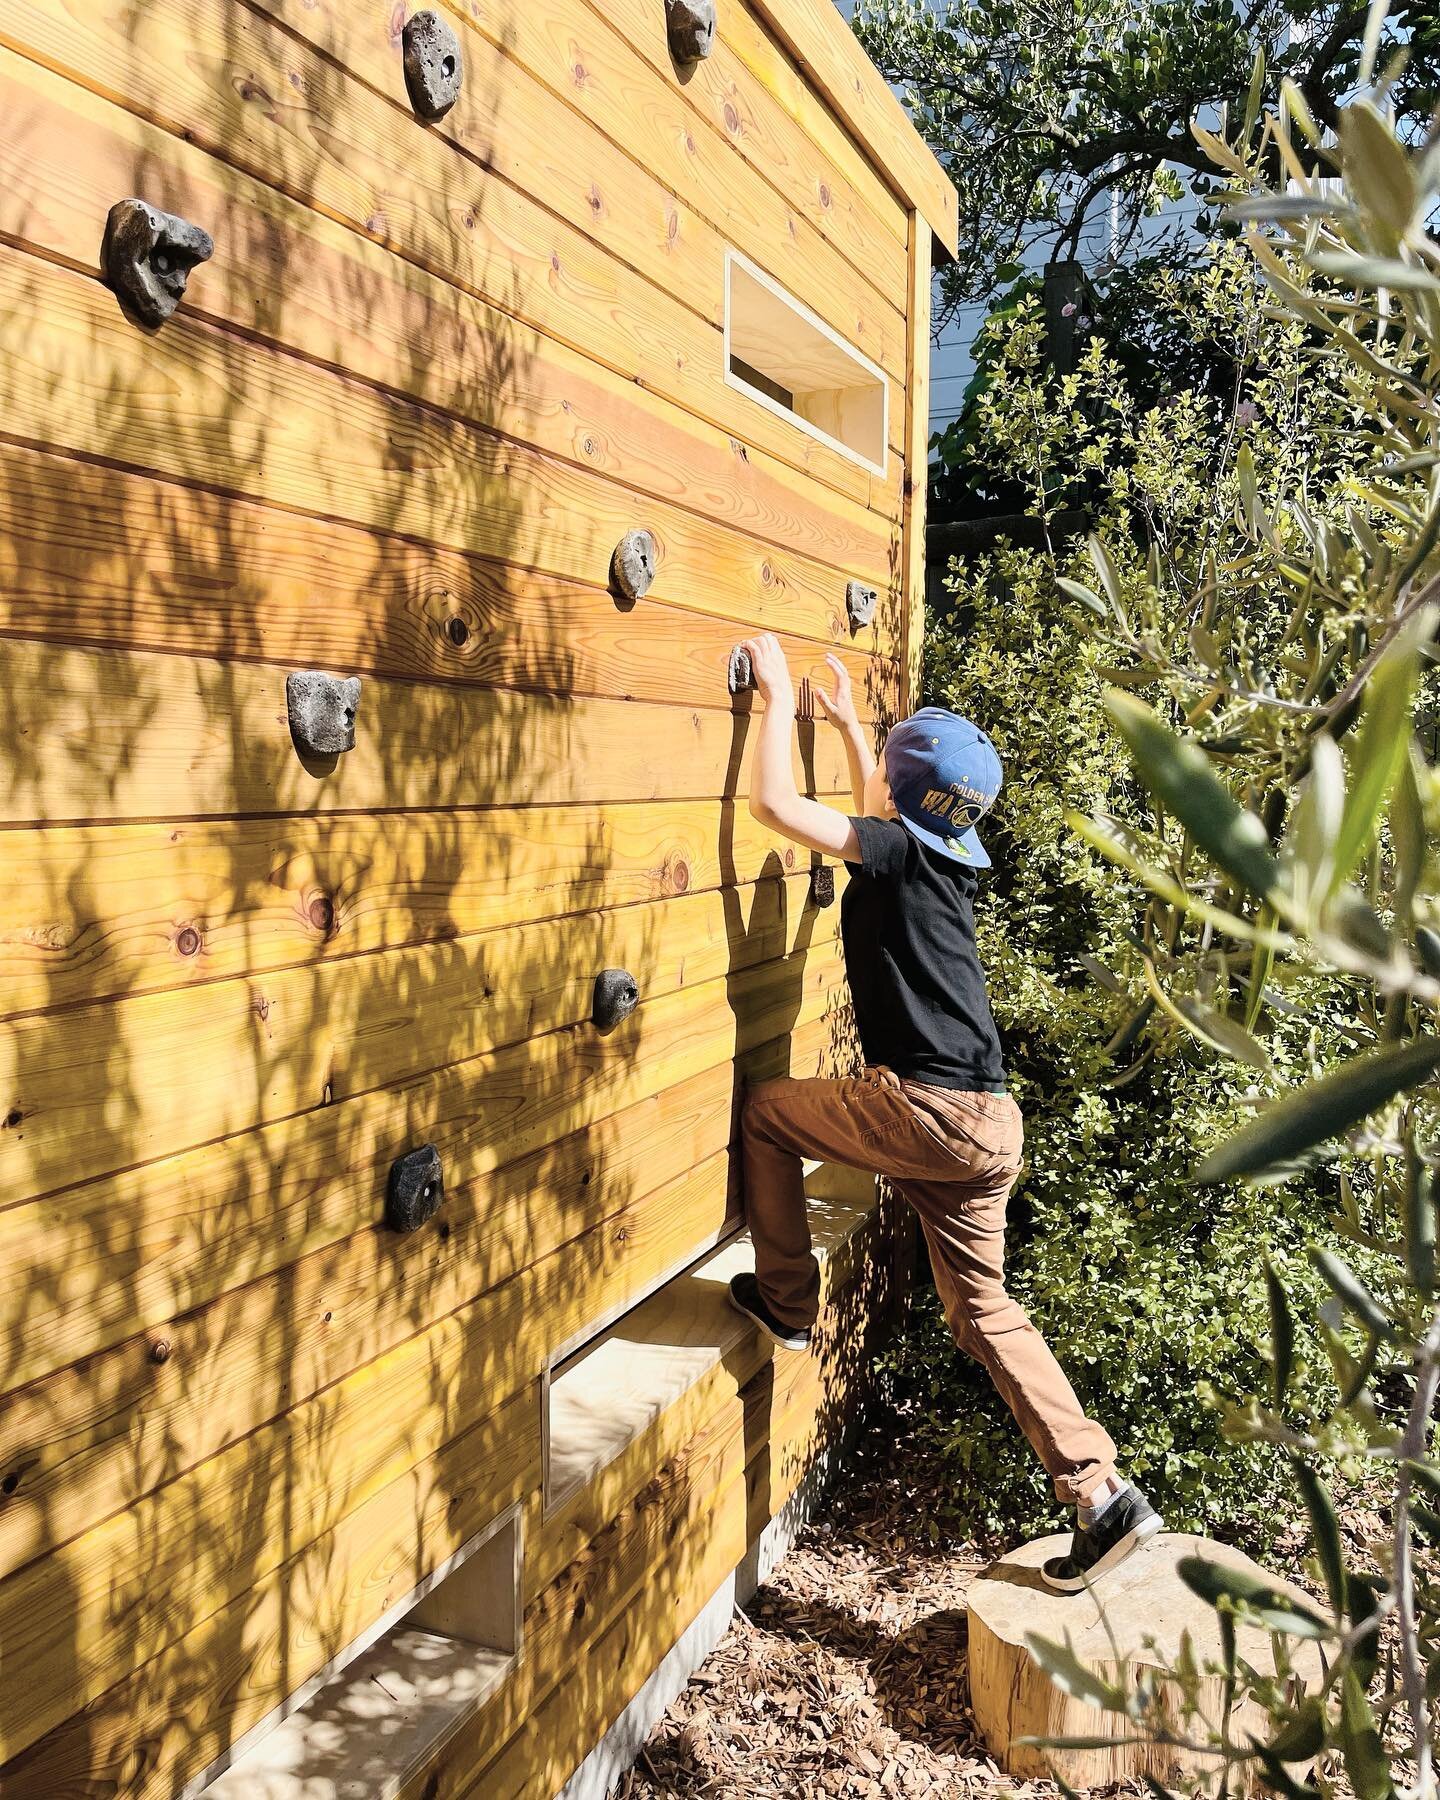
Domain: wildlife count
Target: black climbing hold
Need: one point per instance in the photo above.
(147, 256)
(415, 1189)
(433, 65)
(322, 711)
(740, 675)
(690, 27)
(616, 997)
(860, 603)
(632, 567)
(822, 885)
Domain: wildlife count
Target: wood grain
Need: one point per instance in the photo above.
(92, 554)
(403, 186)
(617, 71)
(297, 278)
(166, 1722)
(97, 1436)
(640, 192)
(822, 44)
(102, 1088)
(108, 735)
(97, 912)
(201, 405)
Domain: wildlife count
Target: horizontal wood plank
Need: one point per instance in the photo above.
(97, 1437)
(105, 735)
(300, 279)
(97, 912)
(400, 185)
(93, 554)
(198, 404)
(102, 1088)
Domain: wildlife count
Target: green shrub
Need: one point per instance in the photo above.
(1146, 1286)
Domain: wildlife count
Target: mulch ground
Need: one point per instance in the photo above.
(845, 1675)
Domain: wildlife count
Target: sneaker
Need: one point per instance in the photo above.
(745, 1297)
(1125, 1523)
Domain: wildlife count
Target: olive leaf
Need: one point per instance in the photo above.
(1072, 1676)
(1178, 772)
(1323, 1109)
(1238, 1589)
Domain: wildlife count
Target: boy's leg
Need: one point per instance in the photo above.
(866, 1123)
(964, 1225)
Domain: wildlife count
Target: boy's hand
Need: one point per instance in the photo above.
(839, 707)
(772, 672)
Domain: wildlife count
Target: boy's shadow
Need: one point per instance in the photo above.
(765, 987)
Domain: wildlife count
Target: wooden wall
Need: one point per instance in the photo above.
(429, 378)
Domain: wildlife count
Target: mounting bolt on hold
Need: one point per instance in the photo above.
(632, 567)
(617, 994)
(822, 885)
(860, 603)
(690, 27)
(322, 711)
(415, 1189)
(146, 257)
(433, 65)
(740, 674)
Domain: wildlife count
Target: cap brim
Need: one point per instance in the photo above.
(969, 855)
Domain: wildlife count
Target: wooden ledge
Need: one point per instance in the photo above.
(383, 1708)
(604, 1396)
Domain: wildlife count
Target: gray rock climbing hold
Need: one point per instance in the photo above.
(434, 68)
(322, 711)
(690, 27)
(632, 567)
(822, 885)
(415, 1189)
(147, 255)
(740, 674)
(616, 997)
(860, 603)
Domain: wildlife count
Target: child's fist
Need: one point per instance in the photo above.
(839, 707)
(772, 672)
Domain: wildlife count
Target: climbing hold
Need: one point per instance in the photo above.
(433, 65)
(147, 256)
(740, 674)
(690, 27)
(860, 603)
(415, 1189)
(822, 885)
(616, 997)
(632, 567)
(322, 711)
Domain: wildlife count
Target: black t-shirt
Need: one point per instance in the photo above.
(908, 925)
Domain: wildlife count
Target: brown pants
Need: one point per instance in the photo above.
(955, 1157)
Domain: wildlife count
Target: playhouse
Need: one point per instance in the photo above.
(404, 412)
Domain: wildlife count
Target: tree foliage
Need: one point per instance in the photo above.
(1045, 112)
(1273, 679)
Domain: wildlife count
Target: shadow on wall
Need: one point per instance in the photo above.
(248, 984)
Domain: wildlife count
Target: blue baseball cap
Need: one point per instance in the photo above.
(944, 774)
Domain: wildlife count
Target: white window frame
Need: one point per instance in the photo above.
(736, 259)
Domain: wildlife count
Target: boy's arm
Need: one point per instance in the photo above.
(774, 798)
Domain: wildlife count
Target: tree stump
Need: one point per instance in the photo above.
(1145, 1608)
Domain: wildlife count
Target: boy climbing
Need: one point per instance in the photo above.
(931, 1112)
